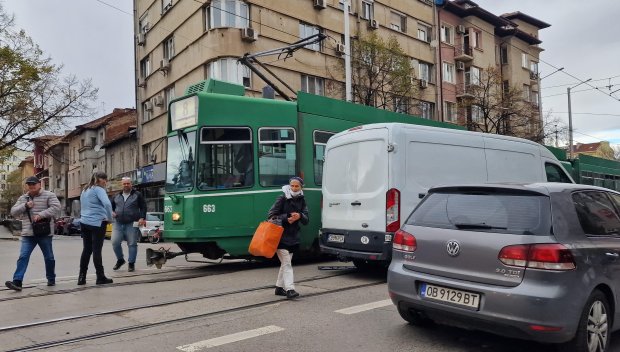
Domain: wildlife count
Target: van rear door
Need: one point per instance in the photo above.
(355, 180)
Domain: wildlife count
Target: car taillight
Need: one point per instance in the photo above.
(546, 256)
(392, 210)
(404, 241)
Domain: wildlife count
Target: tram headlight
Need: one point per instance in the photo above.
(176, 216)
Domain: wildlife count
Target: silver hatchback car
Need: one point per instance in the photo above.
(537, 261)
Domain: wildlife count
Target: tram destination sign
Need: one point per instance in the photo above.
(184, 113)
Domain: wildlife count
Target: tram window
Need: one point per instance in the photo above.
(320, 140)
(277, 155)
(555, 173)
(225, 158)
(180, 170)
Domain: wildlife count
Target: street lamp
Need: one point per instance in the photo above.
(570, 120)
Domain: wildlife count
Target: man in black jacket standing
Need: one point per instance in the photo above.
(128, 207)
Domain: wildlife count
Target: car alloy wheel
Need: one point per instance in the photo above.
(597, 327)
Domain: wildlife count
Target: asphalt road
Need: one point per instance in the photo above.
(226, 307)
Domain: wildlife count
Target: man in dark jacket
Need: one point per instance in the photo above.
(128, 207)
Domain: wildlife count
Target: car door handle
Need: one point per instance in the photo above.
(356, 203)
(614, 255)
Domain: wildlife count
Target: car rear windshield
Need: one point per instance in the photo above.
(489, 212)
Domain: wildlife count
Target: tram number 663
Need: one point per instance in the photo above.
(208, 208)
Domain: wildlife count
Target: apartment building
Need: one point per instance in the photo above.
(9, 165)
(179, 43)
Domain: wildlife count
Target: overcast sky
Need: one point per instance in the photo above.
(94, 40)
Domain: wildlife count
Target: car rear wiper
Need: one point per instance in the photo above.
(459, 225)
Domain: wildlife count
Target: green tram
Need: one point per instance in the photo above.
(229, 155)
(591, 170)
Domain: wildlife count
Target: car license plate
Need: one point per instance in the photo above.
(444, 294)
(335, 238)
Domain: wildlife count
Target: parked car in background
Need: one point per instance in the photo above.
(67, 225)
(153, 219)
(537, 261)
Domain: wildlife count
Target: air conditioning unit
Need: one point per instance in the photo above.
(164, 64)
(460, 29)
(140, 39)
(320, 4)
(167, 7)
(249, 34)
(146, 27)
(373, 24)
(423, 83)
(141, 82)
(159, 100)
(340, 49)
(148, 106)
(460, 65)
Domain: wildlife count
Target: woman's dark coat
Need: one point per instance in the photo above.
(281, 210)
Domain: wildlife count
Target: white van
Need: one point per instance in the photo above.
(374, 175)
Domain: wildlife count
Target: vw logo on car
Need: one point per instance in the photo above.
(453, 248)
(365, 239)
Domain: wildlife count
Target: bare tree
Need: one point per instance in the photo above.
(381, 73)
(35, 97)
(494, 107)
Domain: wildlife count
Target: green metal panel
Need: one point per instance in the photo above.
(557, 152)
(215, 86)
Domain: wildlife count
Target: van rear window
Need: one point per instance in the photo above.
(492, 212)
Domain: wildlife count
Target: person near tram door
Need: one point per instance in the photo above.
(37, 205)
(289, 208)
(96, 212)
(128, 206)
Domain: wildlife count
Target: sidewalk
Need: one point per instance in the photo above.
(5, 234)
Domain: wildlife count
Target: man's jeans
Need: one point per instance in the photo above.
(27, 246)
(125, 232)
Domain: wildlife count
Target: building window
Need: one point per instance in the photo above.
(472, 76)
(230, 71)
(169, 48)
(112, 165)
(425, 71)
(228, 13)
(534, 98)
(169, 94)
(506, 87)
(448, 72)
(401, 105)
(526, 92)
(145, 67)
(476, 114)
(165, 5)
(367, 9)
(341, 5)
(503, 54)
(534, 68)
(93, 141)
(424, 32)
(398, 22)
(426, 110)
(306, 30)
(449, 111)
(447, 34)
(476, 39)
(312, 85)
(146, 151)
(524, 61)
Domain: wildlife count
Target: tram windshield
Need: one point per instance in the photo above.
(225, 158)
(180, 170)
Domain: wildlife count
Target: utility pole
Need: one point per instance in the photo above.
(347, 52)
(556, 135)
(570, 120)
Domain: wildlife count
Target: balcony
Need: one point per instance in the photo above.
(463, 53)
(534, 76)
(465, 91)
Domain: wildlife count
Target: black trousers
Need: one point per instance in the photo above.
(92, 237)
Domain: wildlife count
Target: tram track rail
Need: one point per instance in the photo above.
(136, 327)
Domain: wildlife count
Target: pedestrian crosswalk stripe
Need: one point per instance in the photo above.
(222, 340)
(365, 307)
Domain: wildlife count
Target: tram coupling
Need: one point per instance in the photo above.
(158, 257)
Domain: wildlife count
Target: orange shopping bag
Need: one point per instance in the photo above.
(266, 239)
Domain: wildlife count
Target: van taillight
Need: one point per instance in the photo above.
(392, 210)
(546, 256)
(404, 241)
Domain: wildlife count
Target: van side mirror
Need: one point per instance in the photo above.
(421, 195)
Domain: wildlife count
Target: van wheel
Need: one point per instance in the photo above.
(415, 317)
(593, 329)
